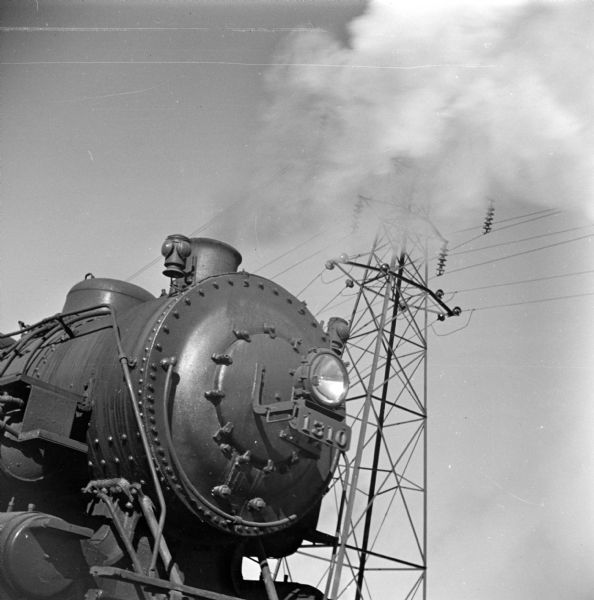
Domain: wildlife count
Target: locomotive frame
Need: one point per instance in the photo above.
(201, 427)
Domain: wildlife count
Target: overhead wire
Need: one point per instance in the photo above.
(530, 214)
(455, 330)
(316, 277)
(522, 281)
(530, 251)
(306, 258)
(526, 239)
(497, 229)
(290, 251)
(536, 301)
(204, 226)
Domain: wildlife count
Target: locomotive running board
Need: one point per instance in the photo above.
(160, 584)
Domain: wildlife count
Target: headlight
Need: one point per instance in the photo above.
(328, 379)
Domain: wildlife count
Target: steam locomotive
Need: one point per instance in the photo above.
(148, 444)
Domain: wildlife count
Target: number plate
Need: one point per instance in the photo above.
(321, 428)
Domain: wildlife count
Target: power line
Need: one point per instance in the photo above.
(372, 67)
(530, 214)
(193, 233)
(532, 301)
(494, 260)
(508, 283)
(58, 29)
(533, 237)
(497, 229)
(293, 249)
(299, 262)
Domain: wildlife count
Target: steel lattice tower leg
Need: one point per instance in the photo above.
(383, 530)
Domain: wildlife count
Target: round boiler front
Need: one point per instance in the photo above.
(216, 387)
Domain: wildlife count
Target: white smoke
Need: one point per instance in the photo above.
(438, 104)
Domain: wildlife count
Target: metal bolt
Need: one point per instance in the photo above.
(226, 449)
(223, 432)
(165, 362)
(242, 334)
(256, 504)
(221, 359)
(214, 395)
(270, 330)
(221, 491)
(245, 458)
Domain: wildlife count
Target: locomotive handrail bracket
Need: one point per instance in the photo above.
(158, 584)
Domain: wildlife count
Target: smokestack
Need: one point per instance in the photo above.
(212, 257)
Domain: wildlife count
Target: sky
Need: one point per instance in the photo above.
(262, 123)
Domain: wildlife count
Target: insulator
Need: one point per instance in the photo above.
(487, 225)
(357, 210)
(442, 259)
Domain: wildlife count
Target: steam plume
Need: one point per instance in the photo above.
(435, 104)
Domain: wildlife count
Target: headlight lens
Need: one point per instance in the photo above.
(329, 379)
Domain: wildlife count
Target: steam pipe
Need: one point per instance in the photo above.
(266, 575)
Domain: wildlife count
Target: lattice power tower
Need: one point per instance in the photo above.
(379, 547)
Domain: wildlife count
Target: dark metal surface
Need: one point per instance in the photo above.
(154, 584)
(40, 555)
(190, 398)
(205, 432)
(121, 295)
